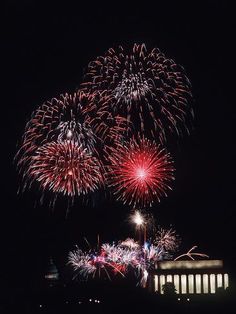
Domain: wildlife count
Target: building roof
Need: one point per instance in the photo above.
(190, 264)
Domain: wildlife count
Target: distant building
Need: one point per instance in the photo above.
(190, 276)
(51, 275)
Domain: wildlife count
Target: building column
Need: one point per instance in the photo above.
(180, 284)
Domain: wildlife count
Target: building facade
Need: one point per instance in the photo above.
(190, 276)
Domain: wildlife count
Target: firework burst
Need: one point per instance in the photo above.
(140, 172)
(167, 239)
(129, 243)
(55, 121)
(79, 117)
(147, 88)
(65, 168)
(92, 264)
(65, 129)
(119, 258)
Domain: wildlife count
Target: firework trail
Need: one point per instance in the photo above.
(149, 89)
(92, 264)
(65, 167)
(79, 117)
(129, 243)
(167, 239)
(122, 258)
(139, 172)
(191, 254)
(67, 133)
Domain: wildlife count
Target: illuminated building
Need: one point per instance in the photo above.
(190, 276)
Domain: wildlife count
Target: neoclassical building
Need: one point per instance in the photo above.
(190, 276)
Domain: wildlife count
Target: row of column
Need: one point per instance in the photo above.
(189, 284)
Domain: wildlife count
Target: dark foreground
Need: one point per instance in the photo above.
(110, 299)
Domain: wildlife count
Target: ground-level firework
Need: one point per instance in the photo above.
(126, 256)
(121, 258)
(140, 172)
(151, 90)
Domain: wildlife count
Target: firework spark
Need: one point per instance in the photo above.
(140, 172)
(80, 119)
(146, 86)
(127, 256)
(119, 258)
(191, 254)
(129, 243)
(65, 168)
(92, 263)
(70, 117)
(138, 218)
(167, 239)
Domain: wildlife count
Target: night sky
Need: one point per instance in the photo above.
(46, 50)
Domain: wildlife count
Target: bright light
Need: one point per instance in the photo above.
(213, 283)
(141, 173)
(191, 283)
(176, 283)
(205, 283)
(226, 281)
(183, 284)
(69, 134)
(70, 172)
(137, 218)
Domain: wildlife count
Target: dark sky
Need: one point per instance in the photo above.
(46, 49)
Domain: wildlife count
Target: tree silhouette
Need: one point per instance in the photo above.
(169, 289)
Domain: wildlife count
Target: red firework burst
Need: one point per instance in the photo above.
(65, 168)
(146, 86)
(79, 118)
(140, 172)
